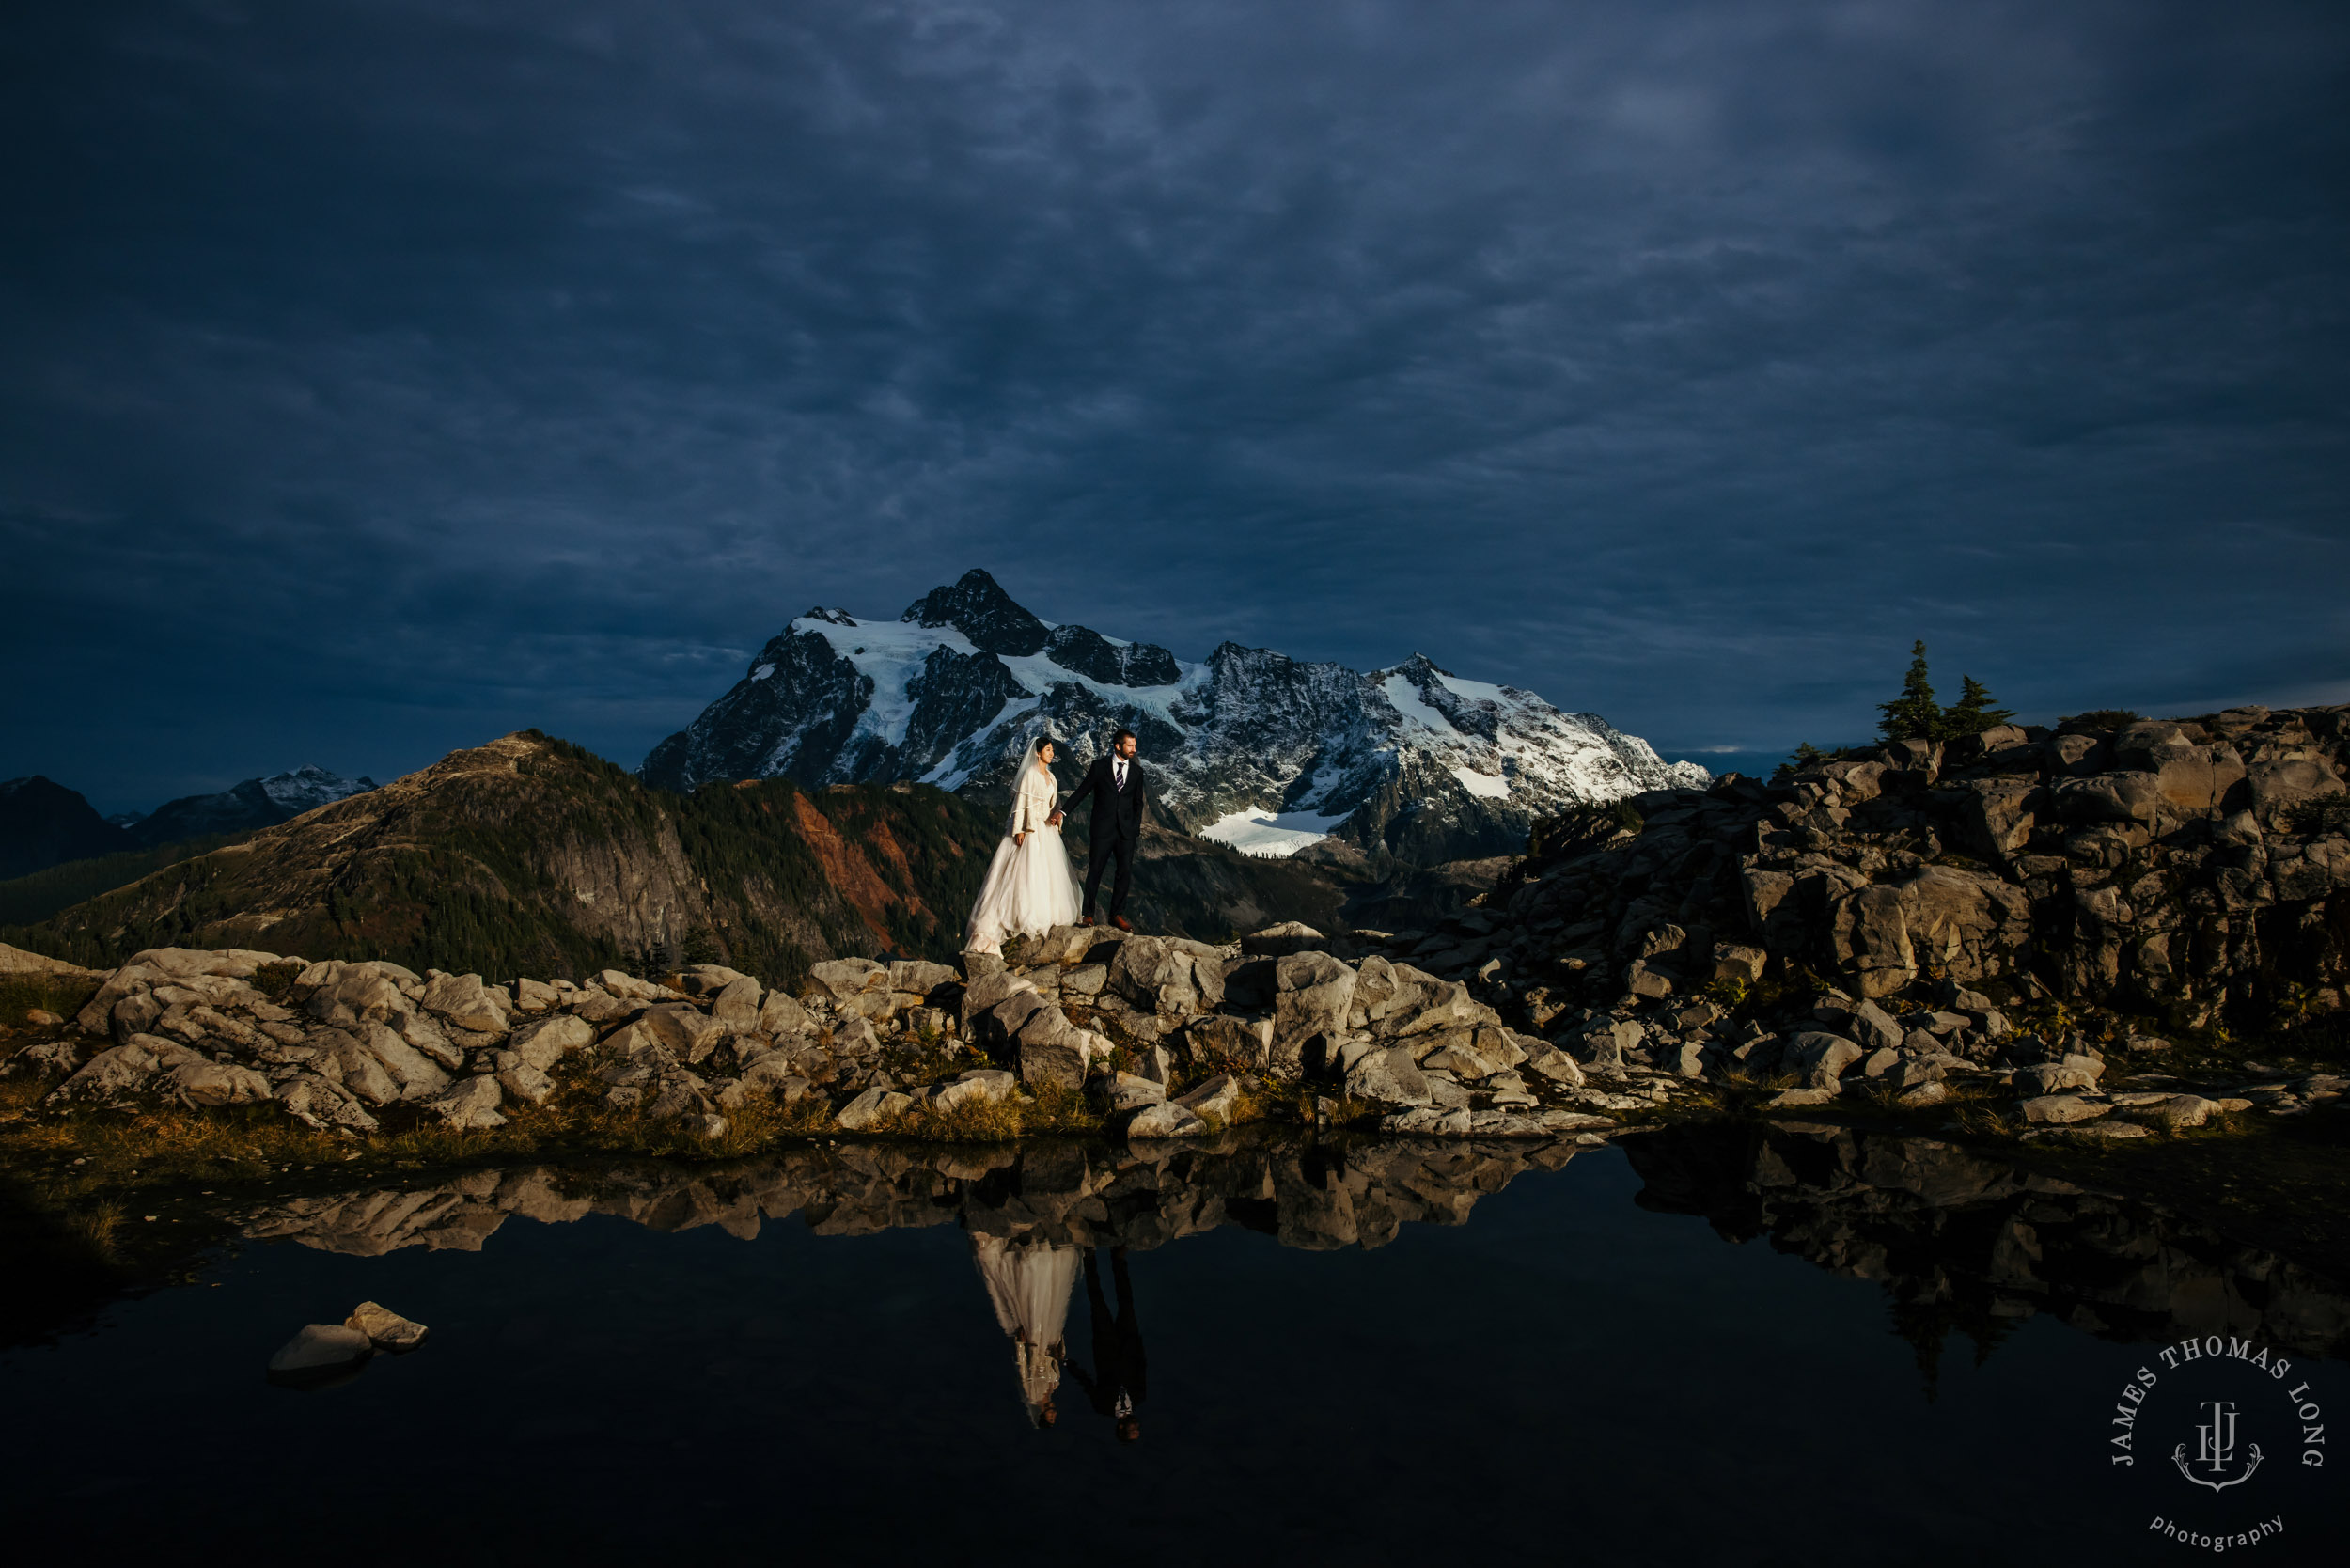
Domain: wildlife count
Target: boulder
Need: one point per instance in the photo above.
(532, 996)
(843, 978)
(464, 1001)
(214, 1083)
(1216, 1102)
(684, 1029)
(735, 1006)
(1131, 1091)
(860, 1114)
(920, 976)
(1168, 1119)
(986, 1085)
(343, 1060)
(385, 1328)
(542, 1042)
(1387, 1078)
(1601, 1042)
(111, 1074)
(2060, 1109)
(418, 1076)
(320, 1105)
(470, 1105)
(520, 1079)
(1051, 1047)
(1281, 940)
(1820, 1058)
(1065, 944)
(779, 1015)
(2073, 1072)
(1157, 976)
(988, 992)
(1468, 1054)
(1739, 962)
(2186, 1110)
(1313, 1000)
(1556, 1065)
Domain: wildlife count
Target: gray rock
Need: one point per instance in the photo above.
(1131, 1091)
(1473, 1054)
(845, 977)
(978, 1087)
(464, 1001)
(2073, 1072)
(1087, 979)
(1168, 1119)
(735, 1008)
(1281, 940)
(684, 1029)
(419, 1077)
(1793, 1098)
(470, 1105)
(1556, 1065)
(519, 1078)
(860, 1114)
(1313, 999)
(1216, 1102)
(1820, 1058)
(1925, 1094)
(322, 1104)
(212, 1083)
(920, 976)
(1387, 1078)
(779, 1015)
(111, 1074)
(542, 1042)
(2060, 1109)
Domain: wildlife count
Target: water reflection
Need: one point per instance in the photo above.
(1963, 1243)
(1029, 1283)
(1968, 1245)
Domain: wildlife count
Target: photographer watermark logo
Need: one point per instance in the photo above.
(2215, 1449)
(2219, 1409)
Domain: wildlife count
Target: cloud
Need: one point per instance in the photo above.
(381, 378)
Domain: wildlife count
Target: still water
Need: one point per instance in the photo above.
(1793, 1345)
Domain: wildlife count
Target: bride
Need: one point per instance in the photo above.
(1030, 885)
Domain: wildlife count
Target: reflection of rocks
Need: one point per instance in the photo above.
(1964, 1242)
(1315, 1196)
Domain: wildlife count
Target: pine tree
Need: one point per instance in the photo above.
(1914, 715)
(1972, 714)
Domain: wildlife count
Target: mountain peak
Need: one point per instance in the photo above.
(978, 607)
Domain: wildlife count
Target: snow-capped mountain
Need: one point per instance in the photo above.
(253, 803)
(1251, 748)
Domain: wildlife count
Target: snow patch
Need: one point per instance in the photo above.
(1482, 785)
(1274, 833)
(762, 672)
(1414, 707)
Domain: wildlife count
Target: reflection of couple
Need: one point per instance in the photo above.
(1029, 1284)
(1030, 885)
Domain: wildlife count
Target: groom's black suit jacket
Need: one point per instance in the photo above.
(1116, 814)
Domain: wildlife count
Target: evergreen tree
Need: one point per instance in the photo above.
(1914, 715)
(1972, 714)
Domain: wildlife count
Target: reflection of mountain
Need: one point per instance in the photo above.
(1317, 1196)
(1969, 1244)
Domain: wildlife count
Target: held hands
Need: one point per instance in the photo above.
(1052, 821)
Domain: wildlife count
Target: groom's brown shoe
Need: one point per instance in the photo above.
(1084, 920)
(1121, 923)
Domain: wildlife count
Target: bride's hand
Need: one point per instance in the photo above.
(1018, 840)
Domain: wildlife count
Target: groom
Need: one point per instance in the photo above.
(1115, 785)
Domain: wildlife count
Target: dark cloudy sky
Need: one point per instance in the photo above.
(376, 377)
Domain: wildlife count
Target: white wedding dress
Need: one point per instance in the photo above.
(1030, 887)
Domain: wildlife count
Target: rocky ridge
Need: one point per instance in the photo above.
(2002, 914)
(1410, 762)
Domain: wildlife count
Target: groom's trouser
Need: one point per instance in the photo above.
(1106, 847)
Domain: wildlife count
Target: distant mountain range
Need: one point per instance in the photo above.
(43, 823)
(1410, 764)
